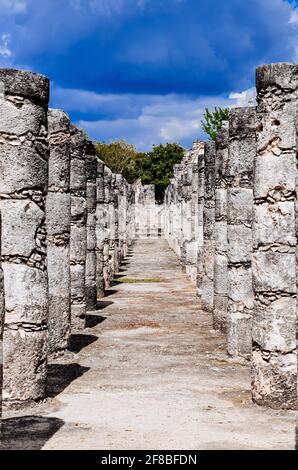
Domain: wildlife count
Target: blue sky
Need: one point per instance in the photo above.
(144, 70)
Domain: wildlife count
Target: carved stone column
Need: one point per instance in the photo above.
(24, 154)
(242, 151)
(78, 233)
(274, 356)
(91, 190)
(58, 230)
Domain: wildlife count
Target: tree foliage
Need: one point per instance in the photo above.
(120, 157)
(154, 167)
(212, 121)
(157, 167)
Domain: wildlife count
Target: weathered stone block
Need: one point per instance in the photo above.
(274, 272)
(20, 221)
(26, 294)
(273, 325)
(25, 364)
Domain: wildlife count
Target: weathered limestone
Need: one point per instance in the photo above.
(78, 232)
(108, 218)
(242, 149)
(100, 229)
(58, 230)
(149, 215)
(206, 256)
(24, 156)
(91, 175)
(220, 231)
(1, 330)
(274, 356)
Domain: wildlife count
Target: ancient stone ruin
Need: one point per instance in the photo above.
(229, 214)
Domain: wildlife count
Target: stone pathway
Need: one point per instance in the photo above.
(149, 373)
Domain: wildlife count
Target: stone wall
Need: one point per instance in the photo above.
(60, 232)
(246, 196)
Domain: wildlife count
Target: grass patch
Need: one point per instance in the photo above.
(133, 280)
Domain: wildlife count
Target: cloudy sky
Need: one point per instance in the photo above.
(144, 70)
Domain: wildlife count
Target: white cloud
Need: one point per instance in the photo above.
(143, 120)
(4, 46)
(294, 16)
(13, 6)
(244, 98)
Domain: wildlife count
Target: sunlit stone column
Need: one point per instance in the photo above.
(100, 228)
(274, 356)
(199, 234)
(58, 230)
(220, 231)
(24, 156)
(1, 327)
(206, 265)
(242, 150)
(78, 232)
(91, 192)
(107, 213)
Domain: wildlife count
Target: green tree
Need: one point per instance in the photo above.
(120, 157)
(156, 167)
(212, 121)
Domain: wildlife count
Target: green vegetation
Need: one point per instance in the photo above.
(154, 167)
(213, 120)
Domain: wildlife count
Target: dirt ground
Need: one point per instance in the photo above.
(148, 373)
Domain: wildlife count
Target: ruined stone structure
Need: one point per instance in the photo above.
(58, 230)
(24, 153)
(205, 277)
(246, 269)
(78, 232)
(274, 262)
(149, 216)
(242, 144)
(53, 241)
(229, 214)
(183, 212)
(91, 198)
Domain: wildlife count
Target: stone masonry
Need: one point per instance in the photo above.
(229, 214)
(242, 144)
(78, 232)
(58, 231)
(24, 153)
(246, 269)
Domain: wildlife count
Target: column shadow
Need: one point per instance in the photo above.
(80, 341)
(60, 377)
(28, 432)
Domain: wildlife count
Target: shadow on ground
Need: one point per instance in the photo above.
(28, 432)
(60, 377)
(79, 342)
(94, 320)
(102, 304)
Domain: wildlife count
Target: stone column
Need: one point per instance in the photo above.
(58, 230)
(200, 219)
(206, 264)
(24, 156)
(220, 231)
(78, 232)
(107, 227)
(242, 150)
(1, 330)
(100, 229)
(274, 356)
(91, 190)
